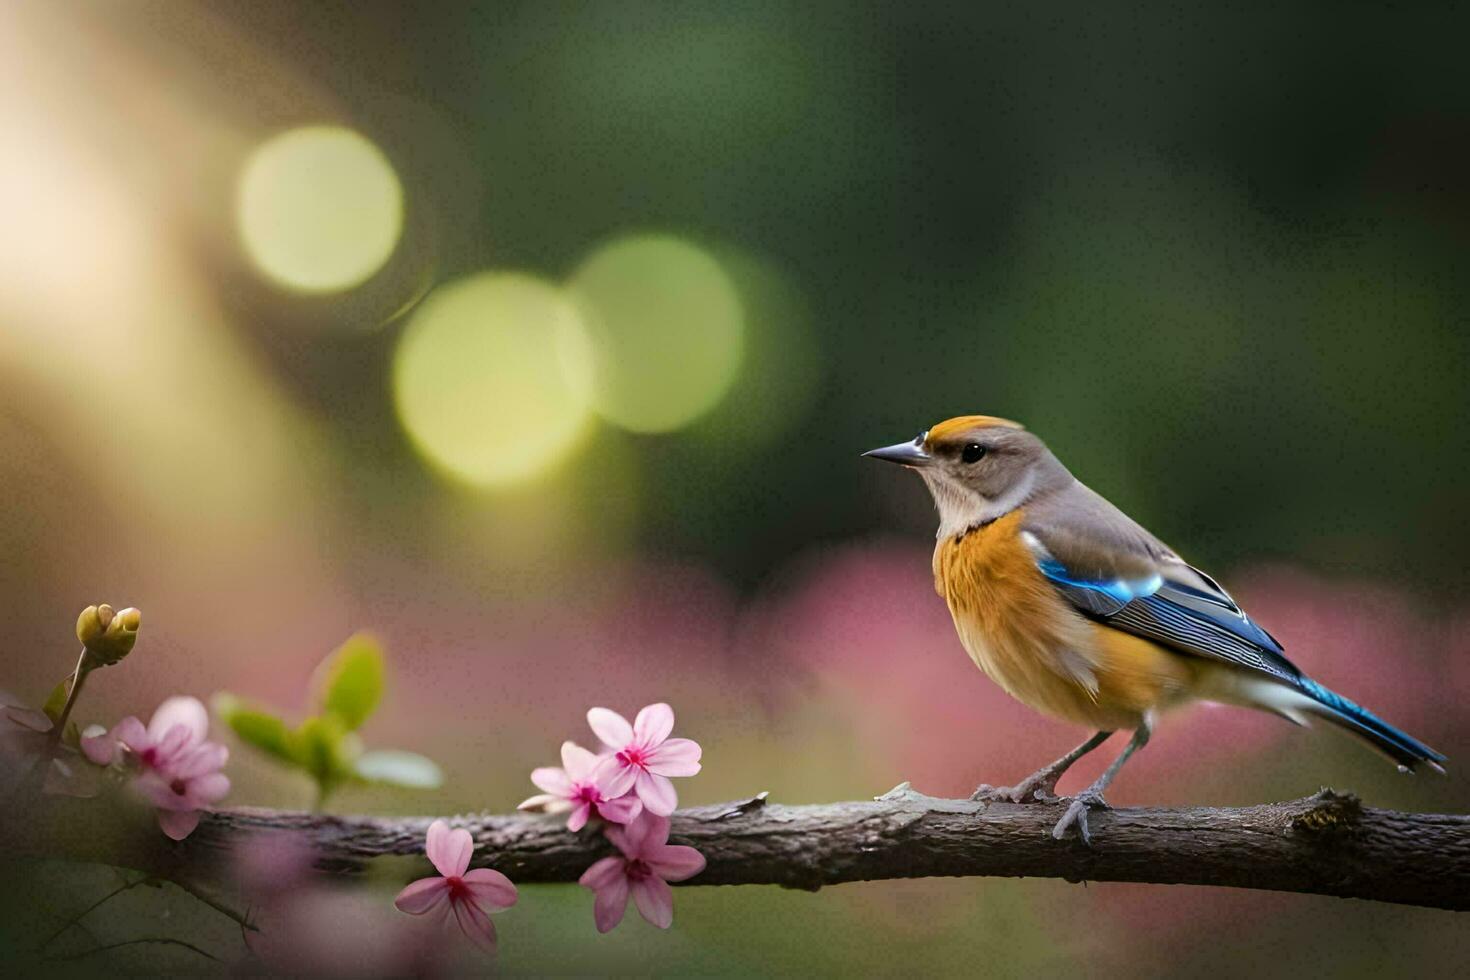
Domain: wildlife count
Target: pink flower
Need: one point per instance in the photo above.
(644, 757)
(472, 895)
(178, 771)
(648, 863)
(579, 787)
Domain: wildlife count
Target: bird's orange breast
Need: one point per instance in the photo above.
(1035, 645)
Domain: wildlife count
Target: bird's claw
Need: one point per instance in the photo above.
(1020, 793)
(1038, 788)
(1077, 814)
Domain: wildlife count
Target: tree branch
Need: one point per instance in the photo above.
(1327, 844)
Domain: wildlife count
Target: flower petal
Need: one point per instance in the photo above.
(171, 747)
(657, 793)
(643, 835)
(475, 923)
(614, 779)
(178, 824)
(449, 850)
(207, 789)
(618, 836)
(130, 732)
(100, 749)
(655, 901)
(544, 803)
(580, 815)
(185, 711)
(611, 727)
(609, 903)
(674, 862)
(552, 780)
(675, 757)
(422, 896)
(653, 724)
(603, 872)
(624, 809)
(578, 762)
(493, 890)
(209, 757)
(157, 791)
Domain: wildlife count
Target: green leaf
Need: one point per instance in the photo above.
(254, 726)
(56, 700)
(327, 751)
(322, 747)
(349, 683)
(393, 767)
(311, 745)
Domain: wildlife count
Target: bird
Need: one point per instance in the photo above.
(1081, 614)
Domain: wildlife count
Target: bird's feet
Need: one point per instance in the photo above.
(1077, 814)
(1039, 787)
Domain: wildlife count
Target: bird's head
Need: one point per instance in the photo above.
(978, 468)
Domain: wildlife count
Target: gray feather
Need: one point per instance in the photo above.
(1102, 550)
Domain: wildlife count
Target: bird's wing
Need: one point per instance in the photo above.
(1114, 571)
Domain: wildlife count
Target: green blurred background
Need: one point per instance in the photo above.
(542, 340)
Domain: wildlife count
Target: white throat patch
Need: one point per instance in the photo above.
(961, 508)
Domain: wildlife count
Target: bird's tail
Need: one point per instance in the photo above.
(1399, 746)
(1301, 699)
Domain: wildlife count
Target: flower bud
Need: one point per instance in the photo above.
(107, 635)
(90, 626)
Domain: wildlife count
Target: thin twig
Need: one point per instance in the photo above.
(242, 919)
(157, 940)
(86, 911)
(78, 678)
(35, 776)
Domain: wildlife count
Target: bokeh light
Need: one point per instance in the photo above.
(491, 378)
(666, 324)
(781, 367)
(320, 209)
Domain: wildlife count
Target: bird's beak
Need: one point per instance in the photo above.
(903, 453)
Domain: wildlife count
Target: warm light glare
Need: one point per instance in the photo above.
(666, 326)
(320, 209)
(491, 378)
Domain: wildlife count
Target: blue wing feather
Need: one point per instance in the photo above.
(1201, 621)
(1165, 600)
(1120, 591)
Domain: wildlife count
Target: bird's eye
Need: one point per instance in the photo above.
(972, 452)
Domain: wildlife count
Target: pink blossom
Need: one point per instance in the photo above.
(648, 864)
(579, 787)
(644, 757)
(178, 771)
(472, 895)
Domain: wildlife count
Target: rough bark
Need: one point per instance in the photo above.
(1328, 844)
